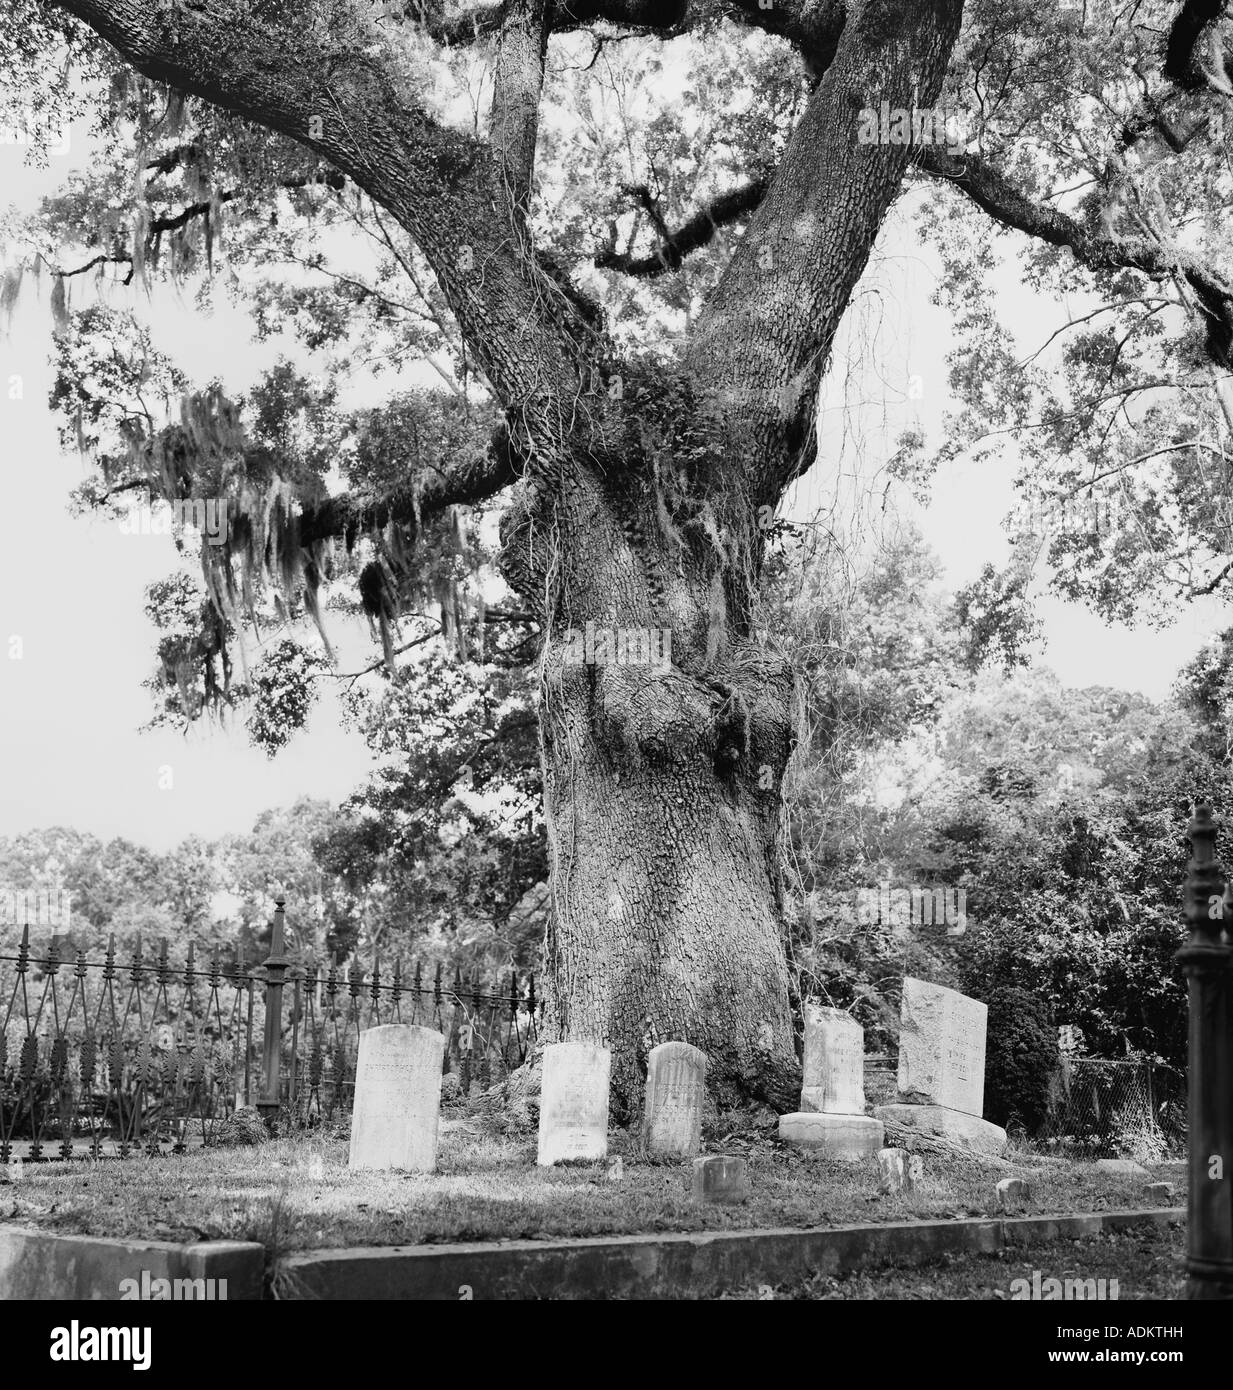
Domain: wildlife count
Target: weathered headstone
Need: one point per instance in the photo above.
(942, 1068)
(397, 1098)
(1121, 1167)
(834, 1080)
(895, 1176)
(942, 1048)
(573, 1106)
(675, 1090)
(719, 1178)
(1159, 1191)
(832, 1117)
(1012, 1193)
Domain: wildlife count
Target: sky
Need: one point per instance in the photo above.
(75, 644)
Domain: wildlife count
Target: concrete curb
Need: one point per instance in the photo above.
(39, 1265)
(659, 1266)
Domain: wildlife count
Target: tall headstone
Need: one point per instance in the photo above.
(675, 1090)
(942, 1067)
(832, 1117)
(573, 1107)
(397, 1098)
(834, 1077)
(942, 1047)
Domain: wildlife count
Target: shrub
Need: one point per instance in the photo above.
(1020, 1058)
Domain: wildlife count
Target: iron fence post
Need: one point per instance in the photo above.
(276, 969)
(1207, 961)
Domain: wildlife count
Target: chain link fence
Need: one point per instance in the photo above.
(1125, 1109)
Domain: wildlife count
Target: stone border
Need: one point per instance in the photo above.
(659, 1266)
(39, 1265)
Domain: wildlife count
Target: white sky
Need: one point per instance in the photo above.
(72, 588)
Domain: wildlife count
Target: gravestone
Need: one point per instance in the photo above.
(832, 1117)
(573, 1106)
(675, 1090)
(834, 1075)
(718, 1178)
(942, 1067)
(1012, 1193)
(397, 1098)
(1121, 1167)
(895, 1174)
(942, 1048)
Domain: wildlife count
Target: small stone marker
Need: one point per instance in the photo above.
(573, 1106)
(1012, 1192)
(675, 1089)
(1122, 1167)
(894, 1174)
(397, 1098)
(834, 1079)
(1159, 1191)
(718, 1178)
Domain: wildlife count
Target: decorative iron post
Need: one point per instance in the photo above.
(275, 972)
(1207, 960)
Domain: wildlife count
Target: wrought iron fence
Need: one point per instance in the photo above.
(141, 1055)
(1132, 1109)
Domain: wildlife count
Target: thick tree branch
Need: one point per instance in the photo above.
(517, 83)
(692, 235)
(811, 26)
(993, 193)
(469, 481)
(1196, 55)
(765, 335)
(353, 106)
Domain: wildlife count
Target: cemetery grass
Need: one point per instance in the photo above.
(296, 1193)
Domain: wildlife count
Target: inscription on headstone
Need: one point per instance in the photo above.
(397, 1098)
(834, 1080)
(573, 1108)
(675, 1087)
(942, 1047)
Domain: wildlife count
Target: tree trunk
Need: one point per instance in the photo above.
(666, 921)
(663, 767)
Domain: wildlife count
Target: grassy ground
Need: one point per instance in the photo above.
(297, 1194)
(1146, 1263)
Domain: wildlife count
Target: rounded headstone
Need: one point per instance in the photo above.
(573, 1106)
(833, 1082)
(675, 1091)
(397, 1098)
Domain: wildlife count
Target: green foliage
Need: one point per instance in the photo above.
(1021, 1056)
(283, 693)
